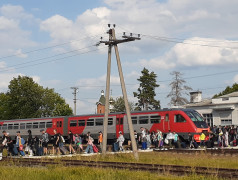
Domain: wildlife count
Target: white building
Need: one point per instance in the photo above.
(222, 110)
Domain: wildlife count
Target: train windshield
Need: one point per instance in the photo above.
(195, 116)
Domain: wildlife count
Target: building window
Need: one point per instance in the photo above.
(225, 122)
(225, 99)
(209, 119)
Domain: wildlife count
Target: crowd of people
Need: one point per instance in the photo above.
(221, 136)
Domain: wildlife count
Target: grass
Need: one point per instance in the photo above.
(84, 173)
(9, 171)
(198, 159)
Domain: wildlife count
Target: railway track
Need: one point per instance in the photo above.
(156, 168)
(207, 151)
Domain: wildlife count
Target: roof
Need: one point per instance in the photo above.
(208, 102)
(205, 102)
(102, 100)
(234, 94)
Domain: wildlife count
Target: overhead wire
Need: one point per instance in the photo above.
(49, 47)
(57, 59)
(186, 41)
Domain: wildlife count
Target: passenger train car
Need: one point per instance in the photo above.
(182, 121)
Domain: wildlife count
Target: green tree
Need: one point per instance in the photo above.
(146, 91)
(118, 105)
(178, 90)
(4, 113)
(228, 90)
(27, 99)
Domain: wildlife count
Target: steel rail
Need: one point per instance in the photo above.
(158, 168)
(207, 151)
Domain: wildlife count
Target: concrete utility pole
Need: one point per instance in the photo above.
(75, 99)
(113, 42)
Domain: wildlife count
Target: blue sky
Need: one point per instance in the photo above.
(54, 42)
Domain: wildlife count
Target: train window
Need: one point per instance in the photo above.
(90, 122)
(35, 125)
(28, 125)
(10, 126)
(4, 127)
(167, 117)
(42, 125)
(73, 123)
(155, 119)
(99, 122)
(179, 118)
(110, 121)
(81, 122)
(134, 119)
(22, 126)
(59, 123)
(143, 119)
(48, 124)
(16, 126)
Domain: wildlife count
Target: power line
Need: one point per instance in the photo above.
(48, 47)
(133, 84)
(58, 59)
(183, 42)
(49, 57)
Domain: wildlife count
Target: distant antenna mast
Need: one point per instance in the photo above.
(75, 99)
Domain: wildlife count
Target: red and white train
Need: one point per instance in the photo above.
(182, 121)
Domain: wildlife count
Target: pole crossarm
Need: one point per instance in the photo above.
(118, 41)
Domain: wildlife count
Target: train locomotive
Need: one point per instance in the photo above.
(182, 121)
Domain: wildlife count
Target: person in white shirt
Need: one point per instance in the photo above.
(121, 140)
(170, 138)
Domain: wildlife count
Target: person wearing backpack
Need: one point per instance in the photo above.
(57, 140)
(90, 140)
(71, 142)
(44, 141)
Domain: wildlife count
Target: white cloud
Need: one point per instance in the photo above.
(20, 54)
(5, 80)
(58, 26)
(15, 12)
(12, 37)
(235, 79)
(204, 52)
(92, 83)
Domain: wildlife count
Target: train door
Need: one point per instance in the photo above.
(119, 125)
(166, 122)
(59, 126)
